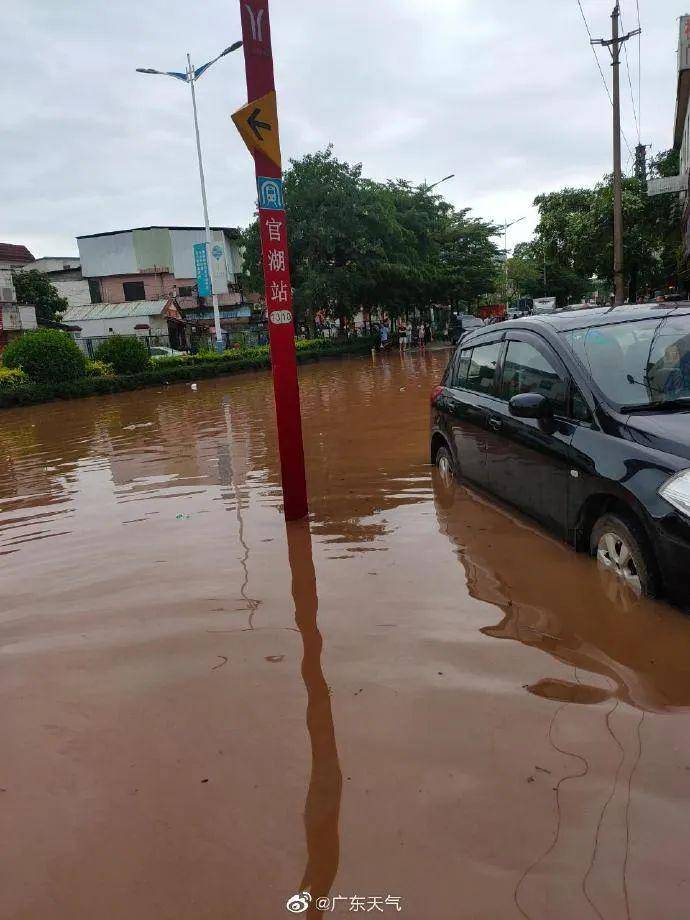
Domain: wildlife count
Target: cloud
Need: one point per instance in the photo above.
(504, 95)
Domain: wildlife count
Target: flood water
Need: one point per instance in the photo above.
(423, 697)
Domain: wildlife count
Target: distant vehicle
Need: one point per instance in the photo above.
(460, 324)
(161, 351)
(493, 309)
(543, 305)
(581, 420)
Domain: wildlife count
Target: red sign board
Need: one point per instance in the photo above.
(258, 58)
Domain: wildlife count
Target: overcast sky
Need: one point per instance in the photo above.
(505, 95)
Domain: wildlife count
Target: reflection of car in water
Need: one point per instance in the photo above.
(560, 605)
(581, 420)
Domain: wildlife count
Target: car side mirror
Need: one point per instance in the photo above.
(531, 405)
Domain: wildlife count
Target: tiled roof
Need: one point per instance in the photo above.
(10, 252)
(133, 308)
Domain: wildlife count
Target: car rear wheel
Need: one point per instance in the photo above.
(621, 551)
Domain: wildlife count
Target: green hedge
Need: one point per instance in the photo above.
(13, 378)
(126, 353)
(46, 355)
(198, 368)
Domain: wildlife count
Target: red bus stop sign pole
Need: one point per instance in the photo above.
(258, 125)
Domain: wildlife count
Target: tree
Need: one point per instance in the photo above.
(35, 289)
(46, 356)
(536, 272)
(356, 243)
(127, 354)
(575, 230)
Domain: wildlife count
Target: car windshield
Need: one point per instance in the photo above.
(640, 362)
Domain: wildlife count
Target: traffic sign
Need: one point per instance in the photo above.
(258, 125)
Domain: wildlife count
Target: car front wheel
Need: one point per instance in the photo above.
(621, 551)
(445, 465)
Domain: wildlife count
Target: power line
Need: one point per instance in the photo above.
(596, 56)
(601, 72)
(627, 68)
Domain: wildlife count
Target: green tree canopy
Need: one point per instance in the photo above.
(34, 288)
(574, 239)
(359, 243)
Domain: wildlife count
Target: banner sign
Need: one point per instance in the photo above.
(203, 276)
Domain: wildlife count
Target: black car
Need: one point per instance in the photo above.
(581, 420)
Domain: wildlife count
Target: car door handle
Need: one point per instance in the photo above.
(495, 424)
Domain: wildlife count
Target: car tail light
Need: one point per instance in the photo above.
(435, 393)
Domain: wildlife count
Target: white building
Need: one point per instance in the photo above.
(146, 263)
(48, 264)
(64, 273)
(155, 319)
(7, 291)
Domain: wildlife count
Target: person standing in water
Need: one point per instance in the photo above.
(402, 335)
(422, 337)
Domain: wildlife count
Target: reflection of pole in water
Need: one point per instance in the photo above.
(233, 479)
(322, 807)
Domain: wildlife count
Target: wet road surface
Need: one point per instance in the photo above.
(423, 698)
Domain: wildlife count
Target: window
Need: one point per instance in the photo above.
(95, 290)
(579, 409)
(133, 290)
(462, 366)
(481, 370)
(186, 291)
(526, 370)
(637, 362)
(456, 375)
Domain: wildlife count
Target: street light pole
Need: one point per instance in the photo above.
(214, 292)
(506, 228)
(191, 75)
(428, 188)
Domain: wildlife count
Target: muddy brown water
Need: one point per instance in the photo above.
(423, 698)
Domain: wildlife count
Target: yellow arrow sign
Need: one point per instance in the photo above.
(257, 122)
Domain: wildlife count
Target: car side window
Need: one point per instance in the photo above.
(579, 409)
(481, 370)
(527, 370)
(461, 367)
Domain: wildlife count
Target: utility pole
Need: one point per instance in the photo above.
(614, 46)
(641, 163)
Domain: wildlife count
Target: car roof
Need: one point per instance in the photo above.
(566, 320)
